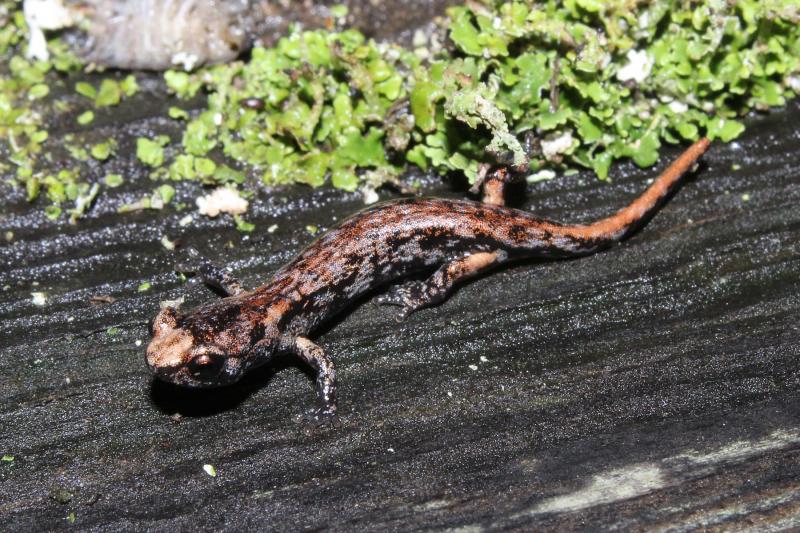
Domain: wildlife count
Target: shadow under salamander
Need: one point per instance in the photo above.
(171, 399)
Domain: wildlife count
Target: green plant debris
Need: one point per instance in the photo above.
(177, 113)
(139, 205)
(53, 212)
(110, 92)
(87, 117)
(165, 193)
(151, 152)
(40, 90)
(161, 196)
(243, 225)
(84, 197)
(7, 458)
(104, 150)
(167, 243)
(113, 330)
(77, 152)
(182, 84)
(339, 12)
(86, 89)
(144, 286)
(544, 85)
(129, 86)
(113, 180)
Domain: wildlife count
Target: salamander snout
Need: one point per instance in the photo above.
(177, 355)
(175, 358)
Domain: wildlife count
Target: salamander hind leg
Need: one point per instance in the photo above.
(493, 185)
(415, 295)
(209, 273)
(315, 357)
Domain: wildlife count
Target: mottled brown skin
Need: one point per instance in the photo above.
(217, 343)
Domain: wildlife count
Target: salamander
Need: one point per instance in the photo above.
(217, 343)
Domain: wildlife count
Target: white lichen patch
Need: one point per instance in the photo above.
(608, 487)
(638, 66)
(369, 194)
(222, 200)
(43, 15)
(557, 143)
(542, 175)
(678, 107)
(739, 450)
(187, 60)
(47, 14)
(638, 479)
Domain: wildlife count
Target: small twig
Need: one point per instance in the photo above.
(554, 85)
(483, 170)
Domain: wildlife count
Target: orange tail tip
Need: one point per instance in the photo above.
(685, 161)
(625, 220)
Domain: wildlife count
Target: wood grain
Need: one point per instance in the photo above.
(653, 386)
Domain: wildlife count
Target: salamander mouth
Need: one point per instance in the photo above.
(183, 377)
(209, 369)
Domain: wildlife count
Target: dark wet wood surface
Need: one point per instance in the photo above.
(653, 386)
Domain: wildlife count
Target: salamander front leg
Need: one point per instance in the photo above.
(415, 295)
(315, 357)
(209, 273)
(401, 294)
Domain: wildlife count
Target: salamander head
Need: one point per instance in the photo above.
(194, 352)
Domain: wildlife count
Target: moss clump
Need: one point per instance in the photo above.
(610, 80)
(311, 108)
(565, 84)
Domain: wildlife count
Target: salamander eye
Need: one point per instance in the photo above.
(206, 366)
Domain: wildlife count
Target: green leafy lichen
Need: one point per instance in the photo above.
(621, 77)
(307, 123)
(151, 152)
(102, 151)
(87, 117)
(243, 225)
(582, 83)
(113, 180)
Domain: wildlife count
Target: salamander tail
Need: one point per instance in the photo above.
(628, 219)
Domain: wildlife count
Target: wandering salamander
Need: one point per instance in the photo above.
(218, 342)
